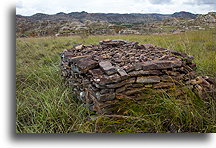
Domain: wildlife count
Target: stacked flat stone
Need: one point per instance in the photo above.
(101, 75)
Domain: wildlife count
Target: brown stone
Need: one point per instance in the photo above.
(135, 85)
(102, 79)
(172, 73)
(120, 84)
(164, 57)
(210, 80)
(161, 64)
(163, 85)
(123, 96)
(76, 59)
(105, 91)
(135, 91)
(166, 78)
(146, 46)
(138, 66)
(200, 80)
(96, 72)
(86, 64)
(199, 88)
(128, 87)
(105, 97)
(112, 43)
(131, 44)
(177, 53)
(121, 72)
(107, 67)
(121, 89)
(98, 85)
(148, 79)
(188, 68)
(129, 68)
(68, 54)
(145, 72)
(92, 88)
(115, 78)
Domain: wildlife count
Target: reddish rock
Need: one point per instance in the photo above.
(86, 64)
(96, 72)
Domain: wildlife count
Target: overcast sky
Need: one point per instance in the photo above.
(30, 7)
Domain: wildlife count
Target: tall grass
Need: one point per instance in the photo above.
(46, 105)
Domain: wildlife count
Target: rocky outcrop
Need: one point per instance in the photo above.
(206, 19)
(129, 31)
(103, 76)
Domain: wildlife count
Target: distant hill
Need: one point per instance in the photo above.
(183, 14)
(83, 23)
(109, 17)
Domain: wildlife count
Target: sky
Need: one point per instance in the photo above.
(30, 7)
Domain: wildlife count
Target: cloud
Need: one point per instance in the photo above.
(200, 2)
(158, 2)
(19, 4)
(201, 5)
(30, 7)
(206, 2)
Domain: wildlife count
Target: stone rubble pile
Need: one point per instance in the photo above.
(104, 74)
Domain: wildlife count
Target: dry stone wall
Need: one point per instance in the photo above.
(103, 75)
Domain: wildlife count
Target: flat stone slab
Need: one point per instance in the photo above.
(113, 43)
(163, 64)
(105, 97)
(120, 84)
(148, 79)
(107, 67)
(86, 64)
(145, 72)
(100, 78)
(121, 72)
(135, 91)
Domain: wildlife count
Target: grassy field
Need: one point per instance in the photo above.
(45, 105)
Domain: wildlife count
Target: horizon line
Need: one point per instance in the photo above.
(112, 13)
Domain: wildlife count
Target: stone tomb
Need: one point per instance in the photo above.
(104, 74)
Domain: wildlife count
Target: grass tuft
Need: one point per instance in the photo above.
(46, 105)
